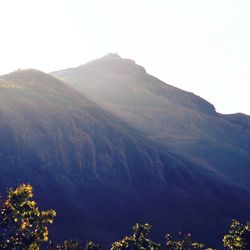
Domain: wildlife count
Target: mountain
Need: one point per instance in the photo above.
(180, 122)
(102, 172)
(184, 122)
(79, 157)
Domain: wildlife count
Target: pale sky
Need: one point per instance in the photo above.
(202, 46)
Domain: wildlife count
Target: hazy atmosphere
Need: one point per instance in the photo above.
(199, 46)
(122, 116)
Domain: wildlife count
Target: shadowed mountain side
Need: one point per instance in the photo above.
(68, 131)
(186, 123)
(100, 174)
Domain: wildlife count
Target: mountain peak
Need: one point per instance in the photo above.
(112, 56)
(112, 62)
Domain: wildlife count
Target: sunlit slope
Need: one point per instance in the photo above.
(67, 131)
(186, 123)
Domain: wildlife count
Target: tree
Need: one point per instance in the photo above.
(22, 224)
(238, 237)
(92, 246)
(138, 241)
(75, 245)
(186, 243)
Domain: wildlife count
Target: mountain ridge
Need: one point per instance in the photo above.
(114, 60)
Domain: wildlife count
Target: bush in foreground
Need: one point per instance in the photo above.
(138, 241)
(238, 237)
(22, 224)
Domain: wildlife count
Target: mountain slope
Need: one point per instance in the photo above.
(99, 173)
(184, 122)
(58, 140)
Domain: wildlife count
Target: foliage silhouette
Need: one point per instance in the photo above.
(185, 243)
(238, 237)
(138, 241)
(75, 245)
(22, 224)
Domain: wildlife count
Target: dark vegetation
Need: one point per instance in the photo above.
(23, 226)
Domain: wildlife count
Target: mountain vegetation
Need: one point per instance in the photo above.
(22, 224)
